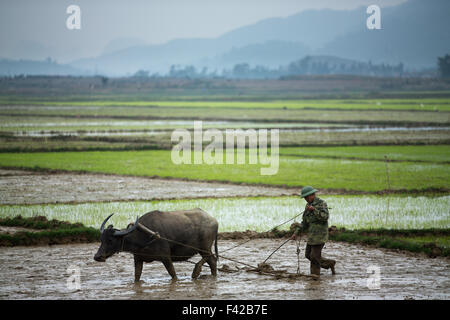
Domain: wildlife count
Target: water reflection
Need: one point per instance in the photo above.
(153, 132)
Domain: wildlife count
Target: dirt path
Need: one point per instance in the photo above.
(27, 187)
(41, 273)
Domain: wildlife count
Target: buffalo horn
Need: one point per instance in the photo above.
(102, 227)
(127, 231)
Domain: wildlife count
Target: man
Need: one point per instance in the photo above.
(315, 223)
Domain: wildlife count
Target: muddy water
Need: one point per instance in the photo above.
(291, 128)
(41, 273)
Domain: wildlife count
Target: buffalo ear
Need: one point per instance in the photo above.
(110, 226)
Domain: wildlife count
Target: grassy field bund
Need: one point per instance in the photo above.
(42, 231)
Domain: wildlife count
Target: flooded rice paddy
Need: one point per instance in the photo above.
(151, 131)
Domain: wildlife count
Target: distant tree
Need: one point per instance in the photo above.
(241, 70)
(400, 68)
(204, 72)
(104, 81)
(444, 66)
(177, 71)
(141, 74)
(300, 66)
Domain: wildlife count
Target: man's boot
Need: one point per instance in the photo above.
(333, 272)
(315, 272)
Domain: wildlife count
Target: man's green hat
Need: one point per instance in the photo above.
(306, 191)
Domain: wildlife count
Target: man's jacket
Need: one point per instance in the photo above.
(315, 222)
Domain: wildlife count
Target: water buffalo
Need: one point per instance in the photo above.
(145, 239)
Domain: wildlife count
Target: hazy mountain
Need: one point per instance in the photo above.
(270, 53)
(313, 28)
(30, 50)
(32, 67)
(308, 29)
(156, 58)
(122, 43)
(415, 33)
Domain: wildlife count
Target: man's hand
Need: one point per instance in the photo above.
(310, 208)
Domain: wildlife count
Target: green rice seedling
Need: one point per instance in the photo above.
(260, 214)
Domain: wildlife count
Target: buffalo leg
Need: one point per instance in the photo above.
(138, 264)
(198, 268)
(212, 262)
(170, 269)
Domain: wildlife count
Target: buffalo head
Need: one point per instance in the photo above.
(111, 240)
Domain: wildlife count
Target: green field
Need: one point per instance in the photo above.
(424, 104)
(260, 214)
(400, 153)
(343, 174)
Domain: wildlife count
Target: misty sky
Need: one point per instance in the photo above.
(36, 29)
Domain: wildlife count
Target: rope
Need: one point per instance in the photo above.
(253, 268)
(248, 240)
(221, 256)
(277, 249)
(192, 247)
(240, 244)
(230, 259)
